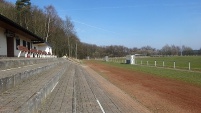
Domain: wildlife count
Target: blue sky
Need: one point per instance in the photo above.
(132, 23)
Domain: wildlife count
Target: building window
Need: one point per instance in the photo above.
(31, 44)
(24, 43)
(17, 42)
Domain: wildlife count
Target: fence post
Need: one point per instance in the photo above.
(189, 65)
(174, 64)
(155, 63)
(163, 64)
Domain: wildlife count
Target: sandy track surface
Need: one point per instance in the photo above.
(159, 95)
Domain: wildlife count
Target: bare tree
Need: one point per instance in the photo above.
(187, 50)
(175, 50)
(69, 31)
(166, 50)
(51, 16)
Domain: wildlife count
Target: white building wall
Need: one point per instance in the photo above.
(3, 43)
(45, 48)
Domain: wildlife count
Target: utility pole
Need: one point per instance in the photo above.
(68, 48)
(76, 49)
(181, 48)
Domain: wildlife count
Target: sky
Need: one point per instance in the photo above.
(132, 23)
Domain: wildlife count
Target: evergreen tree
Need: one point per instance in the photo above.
(20, 4)
(23, 10)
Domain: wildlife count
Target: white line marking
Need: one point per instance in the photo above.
(3, 70)
(100, 105)
(8, 69)
(19, 67)
(54, 87)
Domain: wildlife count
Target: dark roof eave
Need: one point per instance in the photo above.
(10, 22)
(38, 42)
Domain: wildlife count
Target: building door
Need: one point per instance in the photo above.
(10, 47)
(29, 45)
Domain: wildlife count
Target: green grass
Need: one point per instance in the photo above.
(182, 62)
(186, 76)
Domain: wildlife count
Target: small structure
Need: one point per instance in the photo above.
(106, 59)
(130, 59)
(88, 58)
(44, 47)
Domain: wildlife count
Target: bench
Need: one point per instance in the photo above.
(44, 53)
(38, 53)
(22, 49)
(33, 52)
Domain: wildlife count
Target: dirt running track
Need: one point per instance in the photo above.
(159, 95)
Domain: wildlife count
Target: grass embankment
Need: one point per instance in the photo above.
(186, 76)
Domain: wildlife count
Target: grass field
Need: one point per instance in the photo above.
(181, 62)
(182, 75)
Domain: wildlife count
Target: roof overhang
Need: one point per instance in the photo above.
(14, 27)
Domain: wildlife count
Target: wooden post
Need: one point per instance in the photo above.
(155, 63)
(163, 64)
(174, 64)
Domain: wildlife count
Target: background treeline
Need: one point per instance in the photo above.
(94, 51)
(62, 36)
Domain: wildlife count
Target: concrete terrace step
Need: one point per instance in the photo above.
(7, 63)
(61, 99)
(28, 95)
(72, 94)
(11, 77)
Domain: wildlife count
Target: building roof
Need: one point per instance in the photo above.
(16, 28)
